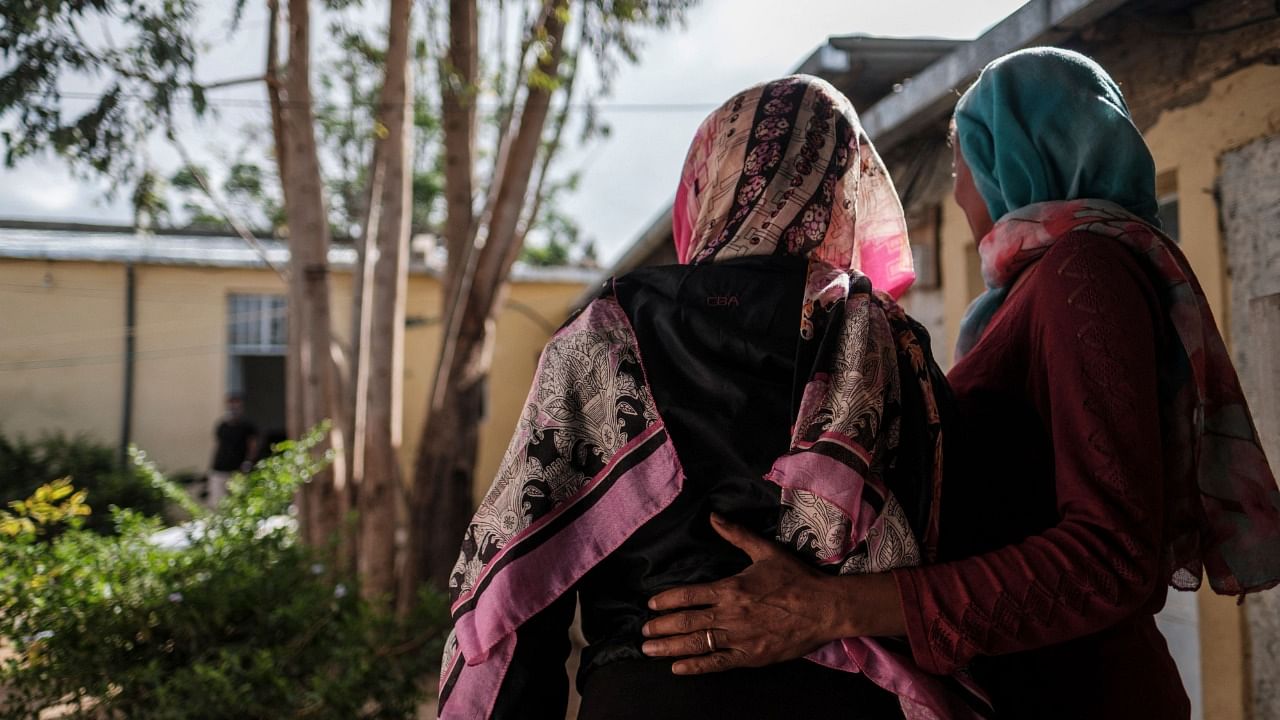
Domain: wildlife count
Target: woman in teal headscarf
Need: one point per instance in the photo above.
(1105, 449)
(1148, 470)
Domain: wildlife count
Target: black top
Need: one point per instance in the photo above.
(719, 349)
(233, 444)
(718, 344)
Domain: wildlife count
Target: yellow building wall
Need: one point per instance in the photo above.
(62, 342)
(1187, 144)
(180, 379)
(79, 353)
(959, 287)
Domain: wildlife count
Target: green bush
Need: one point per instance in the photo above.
(237, 620)
(27, 464)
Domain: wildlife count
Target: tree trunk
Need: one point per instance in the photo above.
(500, 249)
(354, 392)
(459, 78)
(444, 473)
(552, 146)
(362, 290)
(313, 394)
(384, 303)
(507, 107)
(353, 395)
(442, 505)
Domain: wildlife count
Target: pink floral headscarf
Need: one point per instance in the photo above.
(786, 168)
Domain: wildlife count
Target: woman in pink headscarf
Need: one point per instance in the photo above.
(766, 387)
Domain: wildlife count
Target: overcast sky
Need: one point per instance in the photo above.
(725, 46)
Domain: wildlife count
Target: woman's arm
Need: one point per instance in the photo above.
(778, 609)
(1092, 378)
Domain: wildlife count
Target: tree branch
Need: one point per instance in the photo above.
(500, 249)
(507, 105)
(487, 267)
(459, 78)
(462, 62)
(273, 80)
(240, 228)
(232, 82)
(552, 146)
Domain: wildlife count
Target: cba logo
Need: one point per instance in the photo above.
(722, 300)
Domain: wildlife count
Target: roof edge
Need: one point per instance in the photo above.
(340, 258)
(654, 236)
(932, 91)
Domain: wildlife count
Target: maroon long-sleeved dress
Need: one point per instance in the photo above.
(1053, 501)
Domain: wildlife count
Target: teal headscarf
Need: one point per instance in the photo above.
(1048, 124)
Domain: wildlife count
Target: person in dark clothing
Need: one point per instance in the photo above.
(269, 441)
(1103, 450)
(235, 448)
(771, 380)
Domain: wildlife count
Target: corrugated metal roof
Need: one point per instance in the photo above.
(211, 251)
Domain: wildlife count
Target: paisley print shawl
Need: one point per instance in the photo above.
(591, 462)
(1224, 514)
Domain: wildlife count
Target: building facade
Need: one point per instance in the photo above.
(209, 318)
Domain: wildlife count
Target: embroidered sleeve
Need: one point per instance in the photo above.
(1092, 380)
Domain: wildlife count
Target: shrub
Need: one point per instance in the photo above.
(237, 620)
(27, 464)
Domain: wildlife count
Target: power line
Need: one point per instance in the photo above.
(196, 350)
(656, 108)
(108, 358)
(103, 293)
(115, 332)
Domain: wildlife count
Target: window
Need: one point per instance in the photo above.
(1168, 213)
(1167, 202)
(257, 339)
(257, 325)
(922, 229)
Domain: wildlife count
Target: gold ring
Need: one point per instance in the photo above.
(711, 642)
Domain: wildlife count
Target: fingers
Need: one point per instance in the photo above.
(687, 596)
(713, 662)
(756, 547)
(695, 643)
(679, 623)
